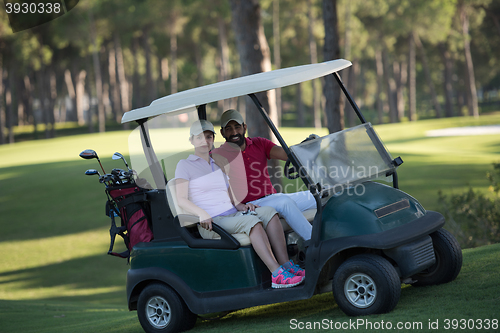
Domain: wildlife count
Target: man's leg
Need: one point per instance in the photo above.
(304, 200)
(288, 208)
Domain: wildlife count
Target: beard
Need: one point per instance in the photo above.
(240, 139)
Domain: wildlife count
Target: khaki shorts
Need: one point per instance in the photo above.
(240, 224)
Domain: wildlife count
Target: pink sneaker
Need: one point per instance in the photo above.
(285, 279)
(296, 270)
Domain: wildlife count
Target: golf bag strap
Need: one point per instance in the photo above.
(115, 230)
(134, 198)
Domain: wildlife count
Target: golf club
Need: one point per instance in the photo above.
(117, 156)
(91, 172)
(90, 154)
(106, 178)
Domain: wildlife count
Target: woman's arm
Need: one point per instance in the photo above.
(182, 188)
(239, 205)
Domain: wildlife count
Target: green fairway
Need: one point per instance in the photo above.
(56, 277)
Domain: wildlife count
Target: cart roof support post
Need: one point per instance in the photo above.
(154, 166)
(349, 98)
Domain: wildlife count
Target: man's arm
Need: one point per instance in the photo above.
(278, 152)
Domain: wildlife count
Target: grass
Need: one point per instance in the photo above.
(55, 276)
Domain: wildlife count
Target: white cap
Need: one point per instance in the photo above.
(201, 126)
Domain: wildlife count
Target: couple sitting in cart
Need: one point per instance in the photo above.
(252, 211)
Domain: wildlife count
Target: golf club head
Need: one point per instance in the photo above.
(117, 156)
(88, 154)
(105, 178)
(91, 172)
(117, 171)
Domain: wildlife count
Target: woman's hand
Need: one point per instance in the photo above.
(206, 221)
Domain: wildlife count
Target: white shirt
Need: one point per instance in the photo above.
(207, 185)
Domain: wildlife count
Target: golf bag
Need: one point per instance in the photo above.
(129, 202)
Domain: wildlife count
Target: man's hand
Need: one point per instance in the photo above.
(246, 207)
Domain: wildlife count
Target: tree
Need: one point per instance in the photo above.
(333, 108)
(255, 57)
(469, 66)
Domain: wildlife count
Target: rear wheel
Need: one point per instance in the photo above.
(448, 260)
(160, 309)
(366, 284)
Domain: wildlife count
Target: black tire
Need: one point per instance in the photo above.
(161, 310)
(366, 284)
(448, 260)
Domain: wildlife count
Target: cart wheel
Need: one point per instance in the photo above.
(448, 260)
(366, 284)
(160, 309)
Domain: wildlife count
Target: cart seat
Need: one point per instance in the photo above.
(190, 221)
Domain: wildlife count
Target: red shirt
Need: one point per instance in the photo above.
(248, 173)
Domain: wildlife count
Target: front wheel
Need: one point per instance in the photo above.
(161, 310)
(448, 260)
(366, 284)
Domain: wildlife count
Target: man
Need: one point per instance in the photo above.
(249, 176)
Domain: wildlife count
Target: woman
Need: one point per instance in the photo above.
(203, 190)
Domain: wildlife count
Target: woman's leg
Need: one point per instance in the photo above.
(262, 247)
(276, 235)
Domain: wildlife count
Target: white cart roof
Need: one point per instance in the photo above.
(186, 100)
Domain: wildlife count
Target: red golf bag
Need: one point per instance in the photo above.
(129, 202)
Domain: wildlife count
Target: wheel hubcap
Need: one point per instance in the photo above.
(360, 290)
(158, 312)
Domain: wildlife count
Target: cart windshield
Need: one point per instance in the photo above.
(344, 158)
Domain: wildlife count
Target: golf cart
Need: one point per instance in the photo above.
(368, 237)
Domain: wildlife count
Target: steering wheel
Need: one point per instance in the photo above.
(290, 172)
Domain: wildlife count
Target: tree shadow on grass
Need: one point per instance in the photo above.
(76, 278)
(51, 199)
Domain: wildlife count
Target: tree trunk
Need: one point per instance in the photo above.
(412, 81)
(255, 57)
(380, 84)
(390, 88)
(277, 54)
(150, 88)
(425, 64)
(51, 97)
(300, 107)
(173, 54)
(80, 96)
(401, 82)
(2, 103)
(122, 79)
(469, 66)
(136, 82)
(21, 109)
(353, 74)
(448, 79)
(224, 65)
(98, 78)
(28, 88)
(313, 52)
(10, 103)
(333, 105)
(199, 65)
(346, 73)
(113, 82)
(70, 88)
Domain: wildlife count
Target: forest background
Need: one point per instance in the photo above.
(411, 60)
